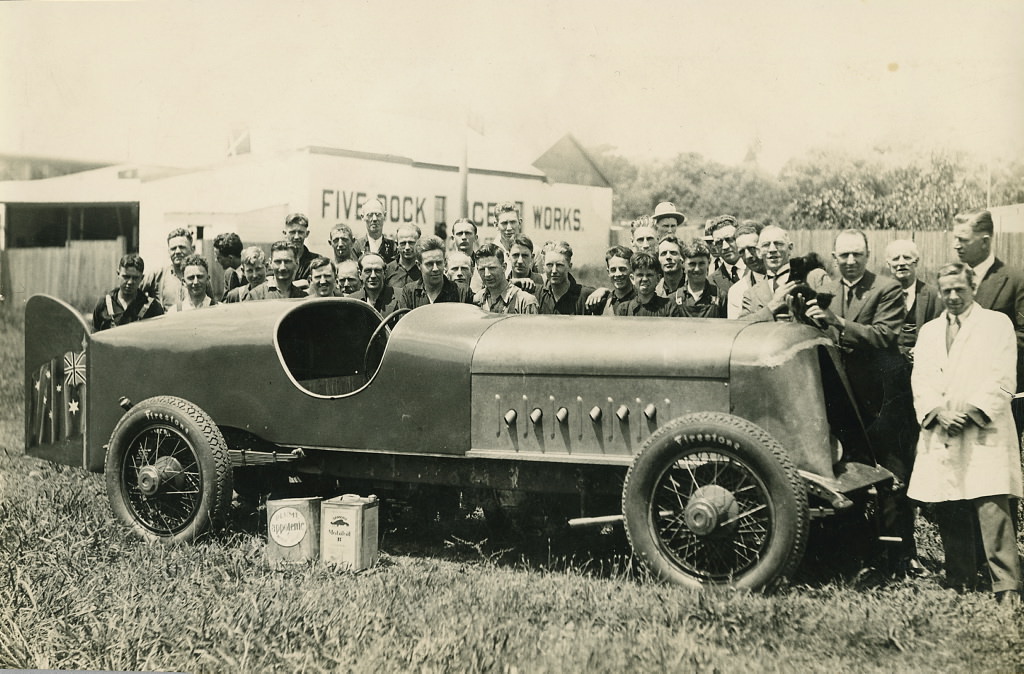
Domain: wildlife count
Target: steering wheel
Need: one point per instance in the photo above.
(376, 333)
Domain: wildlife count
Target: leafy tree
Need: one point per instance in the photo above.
(884, 188)
(829, 189)
(699, 187)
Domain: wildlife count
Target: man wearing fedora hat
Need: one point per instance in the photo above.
(667, 218)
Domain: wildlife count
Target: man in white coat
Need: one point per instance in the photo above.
(968, 463)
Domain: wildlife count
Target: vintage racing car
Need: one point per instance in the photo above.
(720, 439)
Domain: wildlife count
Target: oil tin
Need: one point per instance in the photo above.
(293, 531)
(348, 535)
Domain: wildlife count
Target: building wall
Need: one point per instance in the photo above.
(249, 195)
(425, 196)
(252, 195)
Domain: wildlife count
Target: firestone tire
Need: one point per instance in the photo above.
(168, 472)
(712, 500)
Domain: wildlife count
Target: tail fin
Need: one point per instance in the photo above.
(56, 376)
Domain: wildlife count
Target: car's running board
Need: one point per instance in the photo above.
(252, 457)
(849, 477)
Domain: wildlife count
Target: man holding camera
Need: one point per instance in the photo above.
(865, 320)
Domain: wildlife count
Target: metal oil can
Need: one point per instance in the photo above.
(348, 536)
(293, 531)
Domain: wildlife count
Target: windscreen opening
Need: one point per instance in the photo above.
(323, 345)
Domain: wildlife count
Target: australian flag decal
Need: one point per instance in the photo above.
(58, 399)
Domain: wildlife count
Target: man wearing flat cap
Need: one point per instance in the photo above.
(667, 219)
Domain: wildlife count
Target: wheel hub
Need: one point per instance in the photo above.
(710, 508)
(166, 470)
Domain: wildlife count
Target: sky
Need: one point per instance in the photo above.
(165, 83)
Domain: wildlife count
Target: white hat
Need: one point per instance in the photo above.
(667, 208)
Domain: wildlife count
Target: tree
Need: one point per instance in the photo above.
(832, 189)
(884, 188)
(699, 187)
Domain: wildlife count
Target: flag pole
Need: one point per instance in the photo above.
(464, 171)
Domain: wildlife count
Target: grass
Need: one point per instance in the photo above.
(77, 592)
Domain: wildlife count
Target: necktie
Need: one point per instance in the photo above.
(952, 328)
(733, 276)
(847, 299)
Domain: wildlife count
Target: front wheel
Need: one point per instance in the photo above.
(713, 500)
(168, 473)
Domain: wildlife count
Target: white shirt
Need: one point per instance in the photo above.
(735, 304)
(780, 277)
(186, 304)
(848, 287)
(983, 267)
(910, 295)
(727, 269)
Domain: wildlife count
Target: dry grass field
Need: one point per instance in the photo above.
(76, 592)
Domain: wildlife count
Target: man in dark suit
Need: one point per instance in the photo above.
(920, 299)
(375, 241)
(1000, 288)
(865, 320)
(922, 304)
(730, 268)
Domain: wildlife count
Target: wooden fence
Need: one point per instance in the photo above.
(78, 274)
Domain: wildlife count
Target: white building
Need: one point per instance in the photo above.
(562, 195)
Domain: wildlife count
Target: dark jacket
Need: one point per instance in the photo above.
(720, 279)
(572, 303)
(926, 307)
(109, 313)
(414, 295)
(874, 366)
(386, 301)
(710, 304)
(1002, 290)
(388, 248)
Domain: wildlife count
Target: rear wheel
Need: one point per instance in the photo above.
(168, 473)
(713, 500)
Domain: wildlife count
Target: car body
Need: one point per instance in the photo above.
(455, 396)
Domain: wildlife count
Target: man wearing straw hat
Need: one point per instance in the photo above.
(667, 219)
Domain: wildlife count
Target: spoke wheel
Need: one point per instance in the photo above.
(713, 500)
(167, 470)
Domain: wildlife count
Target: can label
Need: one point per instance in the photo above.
(339, 526)
(348, 531)
(287, 527)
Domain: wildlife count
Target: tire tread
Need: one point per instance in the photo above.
(733, 423)
(220, 481)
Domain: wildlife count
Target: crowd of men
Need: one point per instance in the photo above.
(933, 367)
